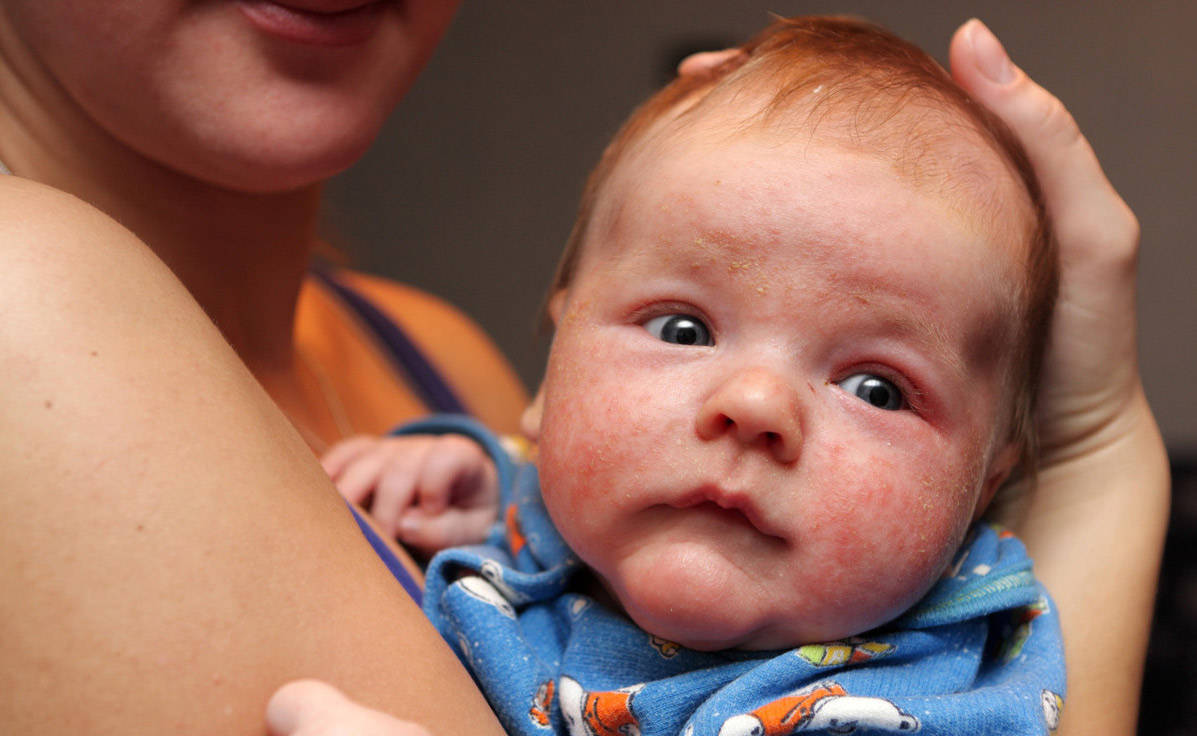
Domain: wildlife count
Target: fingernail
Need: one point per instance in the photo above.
(991, 57)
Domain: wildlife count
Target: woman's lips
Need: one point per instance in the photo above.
(327, 23)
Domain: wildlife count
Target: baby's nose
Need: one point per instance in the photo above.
(758, 408)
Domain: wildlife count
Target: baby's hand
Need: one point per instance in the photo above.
(312, 708)
(427, 491)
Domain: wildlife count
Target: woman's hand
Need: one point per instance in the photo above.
(1095, 522)
(1091, 374)
(313, 708)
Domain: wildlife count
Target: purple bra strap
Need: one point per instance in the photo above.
(404, 354)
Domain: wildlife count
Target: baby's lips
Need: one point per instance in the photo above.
(741, 502)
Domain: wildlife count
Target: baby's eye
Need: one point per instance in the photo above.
(681, 329)
(876, 390)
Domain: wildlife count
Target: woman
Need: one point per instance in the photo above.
(172, 551)
(205, 128)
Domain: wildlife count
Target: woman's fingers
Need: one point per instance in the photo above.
(1090, 372)
(297, 705)
(703, 62)
(313, 708)
(1074, 184)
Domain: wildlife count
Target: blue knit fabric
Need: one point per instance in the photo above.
(980, 654)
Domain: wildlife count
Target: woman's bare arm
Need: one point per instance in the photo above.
(171, 553)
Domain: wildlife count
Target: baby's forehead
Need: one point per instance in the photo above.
(926, 140)
(873, 196)
(932, 152)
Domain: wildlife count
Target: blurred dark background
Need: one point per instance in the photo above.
(471, 191)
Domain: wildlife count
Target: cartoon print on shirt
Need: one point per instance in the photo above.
(516, 541)
(847, 651)
(824, 705)
(542, 704)
(956, 569)
(1053, 705)
(578, 605)
(479, 589)
(606, 713)
(493, 572)
(664, 647)
(1018, 629)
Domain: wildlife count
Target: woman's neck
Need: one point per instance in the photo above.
(242, 256)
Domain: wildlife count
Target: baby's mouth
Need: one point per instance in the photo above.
(734, 516)
(735, 508)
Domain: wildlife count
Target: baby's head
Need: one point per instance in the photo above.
(798, 330)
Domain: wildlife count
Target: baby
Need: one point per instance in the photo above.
(797, 333)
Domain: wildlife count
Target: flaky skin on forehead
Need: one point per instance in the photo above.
(848, 82)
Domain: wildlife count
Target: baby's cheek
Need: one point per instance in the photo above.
(885, 534)
(599, 442)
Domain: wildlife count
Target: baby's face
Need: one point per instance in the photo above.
(771, 407)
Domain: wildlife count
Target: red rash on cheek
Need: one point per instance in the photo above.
(588, 437)
(880, 528)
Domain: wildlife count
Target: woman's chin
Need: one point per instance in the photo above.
(274, 166)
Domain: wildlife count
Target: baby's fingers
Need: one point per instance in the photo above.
(342, 454)
(453, 528)
(360, 476)
(396, 489)
(458, 473)
(313, 708)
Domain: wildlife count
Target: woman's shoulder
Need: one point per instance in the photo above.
(50, 238)
(160, 520)
(454, 343)
(30, 209)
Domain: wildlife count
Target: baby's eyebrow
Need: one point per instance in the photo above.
(897, 316)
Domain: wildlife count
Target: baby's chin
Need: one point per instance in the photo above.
(710, 636)
(705, 624)
(695, 595)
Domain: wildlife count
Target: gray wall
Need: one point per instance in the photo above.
(471, 190)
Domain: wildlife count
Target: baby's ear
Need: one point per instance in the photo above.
(999, 470)
(530, 419)
(556, 305)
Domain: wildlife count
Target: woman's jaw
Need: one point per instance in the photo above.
(247, 95)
